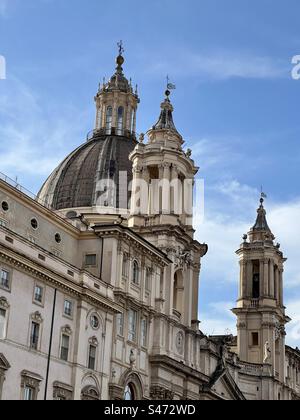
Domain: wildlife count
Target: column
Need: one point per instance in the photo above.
(272, 280)
(266, 277)
(114, 115)
(277, 284)
(134, 195)
(281, 286)
(134, 122)
(175, 192)
(103, 115)
(261, 277)
(166, 189)
(241, 294)
(248, 279)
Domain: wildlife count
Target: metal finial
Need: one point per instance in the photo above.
(170, 86)
(263, 196)
(121, 48)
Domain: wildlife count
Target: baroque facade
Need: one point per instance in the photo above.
(99, 299)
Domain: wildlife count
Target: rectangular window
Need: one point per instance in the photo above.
(34, 335)
(38, 294)
(64, 348)
(4, 280)
(144, 332)
(255, 339)
(132, 323)
(91, 260)
(68, 308)
(120, 324)
(2, 324)
(92, 357)
(28, 393)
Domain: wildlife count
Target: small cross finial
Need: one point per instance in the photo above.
(121, 48)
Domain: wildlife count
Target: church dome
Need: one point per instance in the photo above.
(99, 167)
(73, 184)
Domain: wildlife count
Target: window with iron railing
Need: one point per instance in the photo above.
(34, 335)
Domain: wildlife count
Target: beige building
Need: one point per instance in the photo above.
(100, 278)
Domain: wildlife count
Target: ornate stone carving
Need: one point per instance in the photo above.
(183, 259)
(267, 353)
(279, 331)
(132, 359)
(4, 303)
(160, 394)
(93, 341)
(37, 317)
(31, 380)
(62, 391)
(67, 330)
(180, 342)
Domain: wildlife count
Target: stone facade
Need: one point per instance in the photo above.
(97, 305)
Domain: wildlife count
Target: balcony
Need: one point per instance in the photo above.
(254, 303)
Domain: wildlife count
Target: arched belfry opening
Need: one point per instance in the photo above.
(178, 292)
(256, 280)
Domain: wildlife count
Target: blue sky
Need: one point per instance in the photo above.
(236, 105)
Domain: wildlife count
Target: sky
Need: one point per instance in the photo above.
(236, 105)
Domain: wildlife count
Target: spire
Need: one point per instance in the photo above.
(261, 223)
(165, 121)
(261, 231)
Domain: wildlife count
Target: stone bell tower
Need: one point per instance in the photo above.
(260, 309)
(162, 212)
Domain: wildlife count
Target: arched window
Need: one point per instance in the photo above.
(129, 393)
(109, 113)
(90, 393)
(135, 273)
(178, 292)
(120, 121)
(256, 280)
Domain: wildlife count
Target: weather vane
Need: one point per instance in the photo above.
(121, 48)
(170, 86)
(262, 194)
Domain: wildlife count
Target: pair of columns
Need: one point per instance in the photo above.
(271, 280)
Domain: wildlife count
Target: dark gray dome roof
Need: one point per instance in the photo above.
(73, 183)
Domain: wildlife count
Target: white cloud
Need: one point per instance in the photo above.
(32, 139)
(3, 7)
(219, 319)
(220, 65)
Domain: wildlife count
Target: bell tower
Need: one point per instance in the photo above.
(162, 212)
(260, 310)
(116, 103)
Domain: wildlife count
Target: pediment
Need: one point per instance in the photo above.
(4, 365)
(227, 389)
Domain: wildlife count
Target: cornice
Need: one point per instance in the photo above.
(42, 273)
(38, 207)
